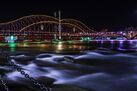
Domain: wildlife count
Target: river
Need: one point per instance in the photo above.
(94, 66)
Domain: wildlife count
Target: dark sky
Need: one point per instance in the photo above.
(94, 13)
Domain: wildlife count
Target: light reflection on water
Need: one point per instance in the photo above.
(60, 46)
(95, 67)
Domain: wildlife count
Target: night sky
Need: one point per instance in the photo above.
(96, 14)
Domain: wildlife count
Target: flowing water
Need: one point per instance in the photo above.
(100, 66)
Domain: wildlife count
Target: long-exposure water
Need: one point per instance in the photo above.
(94, 66)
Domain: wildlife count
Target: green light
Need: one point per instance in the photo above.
(88, 38)
(85, 38)
(69, 41)
(12, 49)
(12, 45)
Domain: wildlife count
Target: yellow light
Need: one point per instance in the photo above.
(25, 44)
(59, 46)
(60, 43)
(42, 45)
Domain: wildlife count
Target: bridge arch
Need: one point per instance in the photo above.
(33, 31)
(25, 21)
(78, 23)
(52, 22)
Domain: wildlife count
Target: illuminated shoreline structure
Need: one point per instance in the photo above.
(46, 28)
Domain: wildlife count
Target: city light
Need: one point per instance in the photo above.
(95, 51)
(12, 45)
(10, 39)
(59, 46)
(63, 29)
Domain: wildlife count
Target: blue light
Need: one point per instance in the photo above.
(12, 38)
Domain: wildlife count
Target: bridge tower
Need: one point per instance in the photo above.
(59, 26)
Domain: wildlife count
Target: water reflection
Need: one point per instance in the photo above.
(78, 46)
(95, 67)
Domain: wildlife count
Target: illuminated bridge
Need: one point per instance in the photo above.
(43, 28)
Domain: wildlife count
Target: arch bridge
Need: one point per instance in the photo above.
(43, 27)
